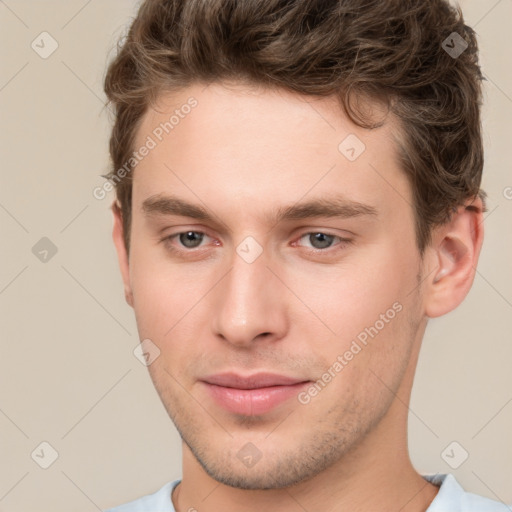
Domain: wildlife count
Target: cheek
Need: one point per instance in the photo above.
(158, 298)
(369, 306)
(169, 304)
(353, 294)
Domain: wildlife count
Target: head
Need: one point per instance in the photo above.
(307, 197)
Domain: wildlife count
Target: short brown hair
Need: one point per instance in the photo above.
(388, 50)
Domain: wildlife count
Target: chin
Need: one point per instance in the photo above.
(277, 471)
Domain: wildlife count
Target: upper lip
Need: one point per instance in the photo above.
(258, 380)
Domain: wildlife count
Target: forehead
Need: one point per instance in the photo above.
(237, 143)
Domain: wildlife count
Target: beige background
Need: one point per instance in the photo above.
(68, 375)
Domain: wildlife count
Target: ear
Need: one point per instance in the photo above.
(122, 255)
(452, 259)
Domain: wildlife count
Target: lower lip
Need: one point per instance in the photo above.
(251, 402)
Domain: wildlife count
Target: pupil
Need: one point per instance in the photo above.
(325, 240)
(190, 238)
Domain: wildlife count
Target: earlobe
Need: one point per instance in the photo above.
(454, 256)
(122, 255)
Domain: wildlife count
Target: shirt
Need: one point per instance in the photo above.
(450, 498)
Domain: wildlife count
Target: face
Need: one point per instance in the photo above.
(275, 270)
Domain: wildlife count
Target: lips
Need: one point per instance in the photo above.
(259, 380)
(254, 394)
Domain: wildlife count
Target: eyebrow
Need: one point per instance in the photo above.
(338, 207)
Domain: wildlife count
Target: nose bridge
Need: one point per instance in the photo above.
(246, 304)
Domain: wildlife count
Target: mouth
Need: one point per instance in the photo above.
(254, 394)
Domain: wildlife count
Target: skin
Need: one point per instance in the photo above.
(242, 153)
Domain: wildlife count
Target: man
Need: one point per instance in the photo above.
(298, 192)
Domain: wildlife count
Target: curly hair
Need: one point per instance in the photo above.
(391, 51)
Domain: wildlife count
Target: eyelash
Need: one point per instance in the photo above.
(343, 242)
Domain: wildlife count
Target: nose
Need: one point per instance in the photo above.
(250, 304)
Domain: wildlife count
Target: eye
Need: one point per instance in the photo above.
(320, 240)
(316, 241)
(187, 239)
